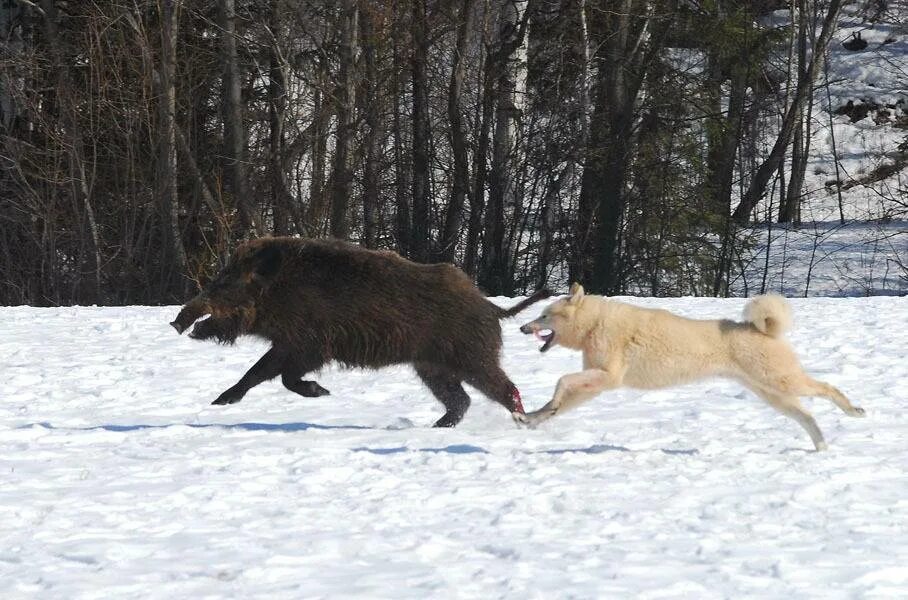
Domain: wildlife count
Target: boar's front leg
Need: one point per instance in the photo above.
(267, 367)
(295, 368)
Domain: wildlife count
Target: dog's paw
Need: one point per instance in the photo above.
(532, 419)
(527, 421)
(520, 419)
(857, 411)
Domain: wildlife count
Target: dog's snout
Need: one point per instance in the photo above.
(527, 328)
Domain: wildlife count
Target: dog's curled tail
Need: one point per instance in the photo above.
(504, 313)
(771, 314)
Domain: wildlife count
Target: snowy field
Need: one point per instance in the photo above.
(121, 481)
(827, 259)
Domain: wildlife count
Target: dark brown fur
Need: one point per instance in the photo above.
(319, 301)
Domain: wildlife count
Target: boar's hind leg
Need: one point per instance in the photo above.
(449, 391)
(294, 369)
(267, 367)
(495, 384)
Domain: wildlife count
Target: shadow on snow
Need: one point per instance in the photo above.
(301, 426)
(285, 427)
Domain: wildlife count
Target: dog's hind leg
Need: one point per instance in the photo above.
(572, 390)
(293, 370)
(448, 390)
(778, 371)
(795, 382)
(808, 386)
(791, 407)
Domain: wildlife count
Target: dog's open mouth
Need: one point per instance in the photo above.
(547, 336)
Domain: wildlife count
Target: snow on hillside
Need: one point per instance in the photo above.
(827, 259)
(870, 134)
(865, 147)
(121, 481)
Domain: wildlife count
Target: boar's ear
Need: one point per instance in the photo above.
(266, 262)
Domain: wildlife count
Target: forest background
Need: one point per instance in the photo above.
(652, 147)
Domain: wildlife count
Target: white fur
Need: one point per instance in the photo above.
(771, 314)
(630, 346)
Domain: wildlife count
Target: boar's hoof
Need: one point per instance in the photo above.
(228, 397)
(311, 389)
(448, 420)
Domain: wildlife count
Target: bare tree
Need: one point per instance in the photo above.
(802, 91)
(419, 238)
(458, 135)
(234, 127)
(166, 181)
(342, 174)
(512, 24)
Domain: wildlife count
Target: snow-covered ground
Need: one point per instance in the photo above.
(119, 480)
(826, 259)
(868, 254)
(875, 77)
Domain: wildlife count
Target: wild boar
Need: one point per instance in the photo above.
(319, 301)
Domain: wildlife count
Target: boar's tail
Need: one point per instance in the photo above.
(504, 313)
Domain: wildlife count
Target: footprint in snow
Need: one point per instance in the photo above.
(400, 423)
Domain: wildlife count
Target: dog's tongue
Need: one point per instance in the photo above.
(546, 339)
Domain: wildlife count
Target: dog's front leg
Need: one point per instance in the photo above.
(572, 390)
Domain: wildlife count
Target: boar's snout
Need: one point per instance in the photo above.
(194, 310)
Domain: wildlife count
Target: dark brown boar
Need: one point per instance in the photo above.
(319, 301)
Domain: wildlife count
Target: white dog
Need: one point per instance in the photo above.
(644, 348)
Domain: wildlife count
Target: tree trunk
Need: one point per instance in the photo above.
(421, 175)
(790, 209)
(547, 226)
(316, 210)
(493, 269)
(602, 193)
(401, 176)
(342, 175)
(373, 110)
(480, 171)
(761, 178)
(281, 199)
(11, 17)
(723, 132)
(234, 130)
(167, 176)
(461, 177)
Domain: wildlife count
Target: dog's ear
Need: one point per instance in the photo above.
(576, 293)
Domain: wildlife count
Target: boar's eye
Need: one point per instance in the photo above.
(267, 261)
